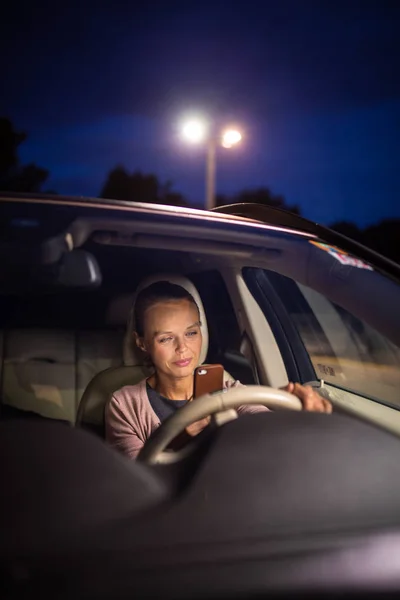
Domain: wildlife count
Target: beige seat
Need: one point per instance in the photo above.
(96, 351)
(100, 389)
(45, 371)
(39, 372)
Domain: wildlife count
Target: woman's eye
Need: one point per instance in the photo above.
(192, 333)
(165, 340)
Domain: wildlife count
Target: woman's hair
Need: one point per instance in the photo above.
(162, 291)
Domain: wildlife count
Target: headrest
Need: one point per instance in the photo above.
(131, 353)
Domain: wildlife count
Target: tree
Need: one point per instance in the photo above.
(382, 237)
(139, 187)
(258, 196)
(9, 142)
(13, 176)
(117, 185)
(348, 229)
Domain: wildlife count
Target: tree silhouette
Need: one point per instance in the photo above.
(13, 176)
(139, 187)
(348, 229)
(9, 142)
(382, 237)
(259, 196)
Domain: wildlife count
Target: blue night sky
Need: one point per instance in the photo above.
(314, 85)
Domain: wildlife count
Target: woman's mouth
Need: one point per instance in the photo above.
(183, 363)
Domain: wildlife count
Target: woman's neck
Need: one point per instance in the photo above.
(171, 388)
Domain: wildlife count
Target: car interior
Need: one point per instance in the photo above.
(55, 339)
(275, 308)
(54, 345)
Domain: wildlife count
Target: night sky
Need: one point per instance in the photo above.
(314, 85)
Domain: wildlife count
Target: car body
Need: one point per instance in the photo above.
(272, 503)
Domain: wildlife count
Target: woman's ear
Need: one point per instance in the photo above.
(139, 341)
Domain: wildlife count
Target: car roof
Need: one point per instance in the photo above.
(246, 215)
(275, 217)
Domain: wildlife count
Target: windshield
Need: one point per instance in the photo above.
(343, 312)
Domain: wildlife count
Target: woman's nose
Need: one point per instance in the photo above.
(180, 345)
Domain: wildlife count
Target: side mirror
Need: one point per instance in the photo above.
(78, 269)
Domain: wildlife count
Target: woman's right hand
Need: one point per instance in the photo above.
(195, 428)
(191, 431)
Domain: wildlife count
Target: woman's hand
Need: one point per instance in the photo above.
(191, 431)
(309, 397)
(196, 428)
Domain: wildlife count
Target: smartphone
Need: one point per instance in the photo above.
(208, 379)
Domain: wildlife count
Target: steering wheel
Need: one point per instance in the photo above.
(219, 404)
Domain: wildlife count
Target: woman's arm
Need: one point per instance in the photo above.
(120, 432)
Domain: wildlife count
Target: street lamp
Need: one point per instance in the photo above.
(196, 131)
(230, 138)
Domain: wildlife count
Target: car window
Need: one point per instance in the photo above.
(225, 339)
(343, 349)
(222, 323)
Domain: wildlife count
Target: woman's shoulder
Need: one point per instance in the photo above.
(129, 411)
(129, 393)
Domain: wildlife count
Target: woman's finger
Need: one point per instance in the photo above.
(310, 399)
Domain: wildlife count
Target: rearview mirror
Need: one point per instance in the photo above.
(79, 269)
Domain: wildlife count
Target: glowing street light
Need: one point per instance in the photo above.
(196, 131)
(230, 138)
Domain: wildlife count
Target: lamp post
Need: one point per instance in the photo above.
(197, 131)
(211, 168)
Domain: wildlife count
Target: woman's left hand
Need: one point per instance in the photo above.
(309, 397)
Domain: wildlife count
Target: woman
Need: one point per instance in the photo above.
(168, 330)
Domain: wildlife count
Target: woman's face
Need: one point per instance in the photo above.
(172, 337)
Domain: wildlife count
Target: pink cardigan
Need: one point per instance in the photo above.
(130, 419)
